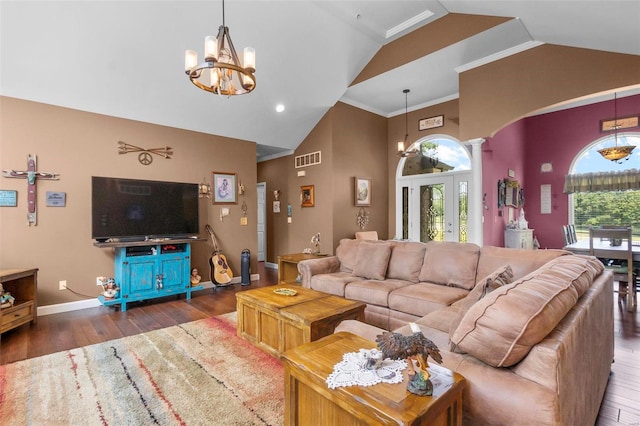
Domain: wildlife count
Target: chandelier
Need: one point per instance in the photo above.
(616, 153)
(222, 72)
(401, 151)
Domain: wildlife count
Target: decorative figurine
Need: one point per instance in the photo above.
(415, 347)
(315, 240)
(195, 278)
(111, 289)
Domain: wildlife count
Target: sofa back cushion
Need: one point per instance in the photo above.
(450, 263)
(406, 260)
(502, 328)
(372, 259)
(346, 253)
(522, 261)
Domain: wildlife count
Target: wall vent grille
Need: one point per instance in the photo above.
(310, 159)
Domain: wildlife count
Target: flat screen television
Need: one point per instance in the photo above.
(137, 210)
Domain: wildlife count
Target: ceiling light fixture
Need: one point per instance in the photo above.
(616, 153)
(401, 145)
(222, 72)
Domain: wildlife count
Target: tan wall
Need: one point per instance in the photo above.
(497, 94)
(79, 145)
(352, 142)
(449, 29)
(359, 150)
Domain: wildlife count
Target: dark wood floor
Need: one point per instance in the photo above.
(54, 333)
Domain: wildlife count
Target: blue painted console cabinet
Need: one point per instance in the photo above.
(146, 270)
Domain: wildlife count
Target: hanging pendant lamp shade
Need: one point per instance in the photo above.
(402, 152)
(616, 153)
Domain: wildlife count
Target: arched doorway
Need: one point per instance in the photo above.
(433, 191)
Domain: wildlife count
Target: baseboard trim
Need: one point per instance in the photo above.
(94, 303)
(67, 307)
(270, 265)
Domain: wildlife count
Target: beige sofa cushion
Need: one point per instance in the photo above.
(522, 261)
(499, 277)
(501, 328)
(372, 260)
(346, 252)
(449, 263)
(406, 261)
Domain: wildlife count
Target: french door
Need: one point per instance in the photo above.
(434, 207)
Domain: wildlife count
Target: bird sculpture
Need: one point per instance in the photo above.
(416, 346)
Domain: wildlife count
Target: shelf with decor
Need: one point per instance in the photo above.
(150, 270)
(22, 284)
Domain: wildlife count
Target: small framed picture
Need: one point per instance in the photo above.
(224, 188)
(431, 122)
(276, 206)
(8, 198)
(307, 196)
(362, 191)
(56, 199)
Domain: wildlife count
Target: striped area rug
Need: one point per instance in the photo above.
(198, 373)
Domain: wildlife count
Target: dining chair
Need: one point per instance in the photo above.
(623, 272)
(565, 234)
(572, 234)
(367, 235)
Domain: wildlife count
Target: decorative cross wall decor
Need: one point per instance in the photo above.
(144, 157)
(31, 174)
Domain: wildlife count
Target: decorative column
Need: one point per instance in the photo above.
(476, 212)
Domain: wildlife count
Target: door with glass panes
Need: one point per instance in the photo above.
(435, 207)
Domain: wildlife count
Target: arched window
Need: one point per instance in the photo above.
(432, 190)
(595, 197)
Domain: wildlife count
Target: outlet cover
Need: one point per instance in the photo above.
(62, 285)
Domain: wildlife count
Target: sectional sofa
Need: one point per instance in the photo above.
(530, 330)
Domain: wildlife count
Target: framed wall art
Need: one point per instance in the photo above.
(224, 188)
(362, 191)
(8, 198)
(307, 196)
(431, 122)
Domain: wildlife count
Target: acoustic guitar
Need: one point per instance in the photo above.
(220, 271)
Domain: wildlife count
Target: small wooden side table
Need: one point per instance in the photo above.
(23, 286)
(308, 399)
(288, 266)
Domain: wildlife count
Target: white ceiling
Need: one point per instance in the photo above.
(125, 58)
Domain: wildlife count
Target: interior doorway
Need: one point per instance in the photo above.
(262, 221)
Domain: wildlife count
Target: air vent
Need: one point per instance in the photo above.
(308, 159)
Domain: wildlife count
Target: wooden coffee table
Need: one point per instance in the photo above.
(308, 399)
(277, 323)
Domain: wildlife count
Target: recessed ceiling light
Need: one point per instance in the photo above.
(279, 108)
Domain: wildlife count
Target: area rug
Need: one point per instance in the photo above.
(198, 373)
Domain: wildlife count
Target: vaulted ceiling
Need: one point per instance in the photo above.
(125, 58)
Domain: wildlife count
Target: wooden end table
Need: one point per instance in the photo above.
(23, 286)
(308, 399)
(288, 266)
(277, 323)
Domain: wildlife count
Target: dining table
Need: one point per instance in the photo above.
(582, 247)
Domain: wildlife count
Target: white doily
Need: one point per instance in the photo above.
(351, 371)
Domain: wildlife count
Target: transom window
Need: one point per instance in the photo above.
(438, 155)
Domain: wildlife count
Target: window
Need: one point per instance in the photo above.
(587, 208)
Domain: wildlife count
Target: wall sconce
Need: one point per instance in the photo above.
(241, 188)
(204, 189)
(276, 194)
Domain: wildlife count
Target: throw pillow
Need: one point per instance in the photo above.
(372, 260)
(498, 278)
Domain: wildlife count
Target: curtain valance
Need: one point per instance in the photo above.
(602, 181)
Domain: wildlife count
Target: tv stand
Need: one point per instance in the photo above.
(147, 269)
